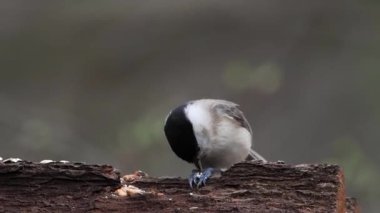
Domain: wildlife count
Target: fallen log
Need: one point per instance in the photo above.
(246, 187)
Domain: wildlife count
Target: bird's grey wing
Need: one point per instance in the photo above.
(231, 110)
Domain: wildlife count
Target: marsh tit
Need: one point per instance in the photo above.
(212, 134)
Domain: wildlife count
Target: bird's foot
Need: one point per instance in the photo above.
(194, 178)
(199, 178)
(205, 175)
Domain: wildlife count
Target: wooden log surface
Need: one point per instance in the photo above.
(246, 187)
(53, 187)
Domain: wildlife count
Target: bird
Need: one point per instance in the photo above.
(212, 134)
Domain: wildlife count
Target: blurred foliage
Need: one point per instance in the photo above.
(93, 80)
(240, 75)
(36, 135)
(361, 174)
(146, 130)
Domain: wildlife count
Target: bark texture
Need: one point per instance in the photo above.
(53, 187)
(246, 187)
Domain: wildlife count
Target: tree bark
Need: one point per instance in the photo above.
(246, 187)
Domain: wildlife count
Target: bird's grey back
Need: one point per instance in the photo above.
(231, 110)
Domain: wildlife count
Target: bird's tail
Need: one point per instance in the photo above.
(253, 155)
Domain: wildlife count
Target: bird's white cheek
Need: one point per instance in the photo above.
(202, 136)
(201, 122)
(198, 116)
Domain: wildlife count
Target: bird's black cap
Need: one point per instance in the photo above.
(180, 134)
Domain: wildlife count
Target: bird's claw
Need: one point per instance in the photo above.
(194, 178)
(200, 178)
(205, 175)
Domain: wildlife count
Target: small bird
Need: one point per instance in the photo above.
(212, 134)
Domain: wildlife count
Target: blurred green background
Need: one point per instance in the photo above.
(94, 80)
